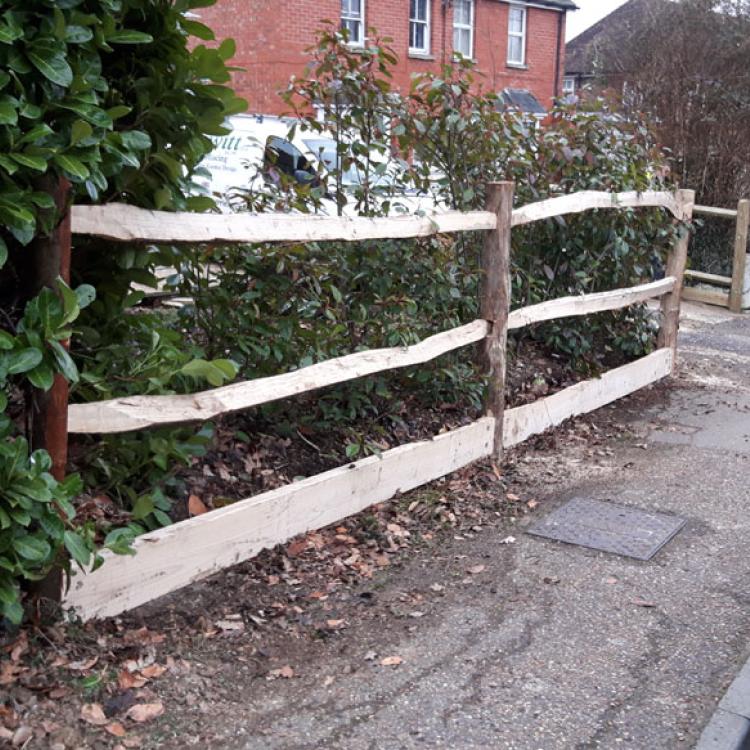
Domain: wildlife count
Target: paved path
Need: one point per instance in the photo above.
(556, 646)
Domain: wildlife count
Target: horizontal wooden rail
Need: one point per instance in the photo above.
(177, 555)
(709, 278)
(590, 199)
(237, 532)
(532, 419)
(707, 296)
(119, 221)
(719, 213)
(586, 304)
(138, 412)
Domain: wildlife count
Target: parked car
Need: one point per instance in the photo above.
(264, 150)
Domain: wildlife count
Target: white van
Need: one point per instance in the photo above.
(259, 148)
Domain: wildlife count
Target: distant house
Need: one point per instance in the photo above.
(517, 45)
(592, 55)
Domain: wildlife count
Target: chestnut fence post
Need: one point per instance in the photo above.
(740, 256)
(495, 302)
(670, 303)
(50, 415)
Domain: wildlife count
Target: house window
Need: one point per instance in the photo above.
(569, 85)
(463, 27)
(517, 35)
(419, 26)
(353, 20)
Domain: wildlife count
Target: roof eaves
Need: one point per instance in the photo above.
(555, 4)
(561, 4)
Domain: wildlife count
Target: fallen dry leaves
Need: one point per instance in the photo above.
(642, 603)
(133, 677)
(127, 680)
(115, 729)
(285, 672)
(21, 736)
(196, 506)
(391, 661)
(82, 666)
(153, 671)
(93, 713)
(231, 623)
(9, 672)
(142, 712)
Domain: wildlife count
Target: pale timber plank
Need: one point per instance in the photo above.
(586, 304)
(118, 221)
(719, 213)
(589, 199)
(707, 296)
(175, 556)
(139, 412)
(532, 419)
(708, 278)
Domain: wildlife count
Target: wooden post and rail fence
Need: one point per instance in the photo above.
(177, 555)
(732, 296)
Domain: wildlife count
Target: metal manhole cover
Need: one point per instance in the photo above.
(609, 527)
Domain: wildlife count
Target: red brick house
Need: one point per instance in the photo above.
(516, 44)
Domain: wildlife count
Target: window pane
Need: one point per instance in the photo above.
(413, 9)
(416, 40)
(516, 20)
(421, 10)
(515, 49)
(462, 41)
(351, 8)
(462, 12)
(353, 28)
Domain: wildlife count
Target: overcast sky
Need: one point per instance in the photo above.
(590, 12)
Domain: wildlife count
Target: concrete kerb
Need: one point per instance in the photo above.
(729, 728)
(725, 731)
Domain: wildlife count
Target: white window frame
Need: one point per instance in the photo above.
(360, 42)
(427, 23)
(569, 85)
(463, 26)
(518, 34)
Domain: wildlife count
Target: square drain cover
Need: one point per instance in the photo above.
(609, 527)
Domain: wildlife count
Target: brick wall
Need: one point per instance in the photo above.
(271, 37)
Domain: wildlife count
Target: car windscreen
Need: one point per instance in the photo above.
(324, 149)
